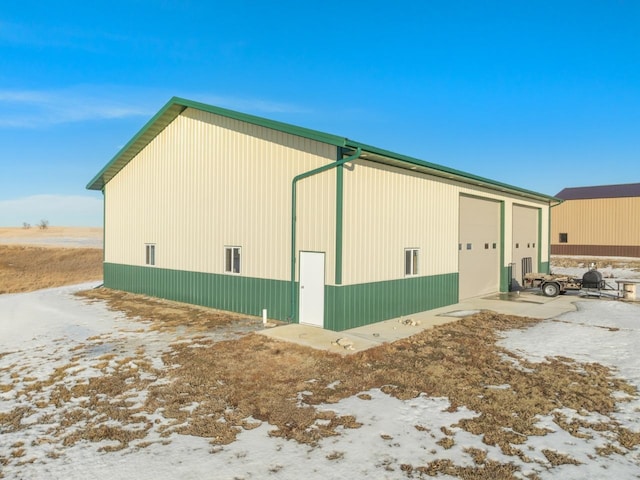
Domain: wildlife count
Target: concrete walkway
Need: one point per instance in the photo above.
(361, 338)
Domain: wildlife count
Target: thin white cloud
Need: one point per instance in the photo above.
(24, 96)
(37, 108)
(59, 210)
(41, 108)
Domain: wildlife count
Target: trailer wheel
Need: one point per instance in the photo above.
(551, 289)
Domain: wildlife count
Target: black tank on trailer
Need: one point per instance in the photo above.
(592, 279)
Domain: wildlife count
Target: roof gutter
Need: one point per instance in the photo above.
(294, 184)
(422, 166)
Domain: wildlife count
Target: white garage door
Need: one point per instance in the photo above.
(525, 242)
(479, 247)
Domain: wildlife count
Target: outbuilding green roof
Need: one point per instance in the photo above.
(177, 105)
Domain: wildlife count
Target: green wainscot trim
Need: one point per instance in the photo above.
(350, 306)
(346, 306)
(225, 292)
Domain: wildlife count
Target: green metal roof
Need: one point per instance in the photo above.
(177, 105)
(403, 161)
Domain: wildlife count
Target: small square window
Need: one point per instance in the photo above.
(517, 245)
(459, 246)
(468, 246)
(150, 254)
(411, 261)
(564, 238)
(494, 246)
(528, 245)
(533, 245)
(232, 259)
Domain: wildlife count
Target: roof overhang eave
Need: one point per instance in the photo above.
(375, 154)
(176, 106)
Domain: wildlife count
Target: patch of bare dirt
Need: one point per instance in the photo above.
(165, 315)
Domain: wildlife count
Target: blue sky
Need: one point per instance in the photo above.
(538, 94)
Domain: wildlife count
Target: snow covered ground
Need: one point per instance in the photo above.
(75, 242)
(605, 266)
(44, 331)
(600, 331)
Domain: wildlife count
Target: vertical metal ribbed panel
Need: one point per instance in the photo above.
(387, 209)
(544, 225)
(598, 221)
(207, 182)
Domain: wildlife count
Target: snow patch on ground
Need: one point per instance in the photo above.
(74, 242)
(600, 331)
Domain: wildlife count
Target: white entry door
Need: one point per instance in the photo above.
(312, 288)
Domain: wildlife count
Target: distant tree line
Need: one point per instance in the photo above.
(43, 225)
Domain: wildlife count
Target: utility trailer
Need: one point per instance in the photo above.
(554, 285)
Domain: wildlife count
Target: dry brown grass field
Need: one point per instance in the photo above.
(26, 268)
(164, 315)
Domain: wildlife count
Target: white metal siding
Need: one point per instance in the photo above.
(207, 182)
(387, 209)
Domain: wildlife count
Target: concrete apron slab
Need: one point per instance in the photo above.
(362, 338)
(319, 338)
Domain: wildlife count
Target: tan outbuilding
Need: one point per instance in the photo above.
(237, 212)
(600, 221)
